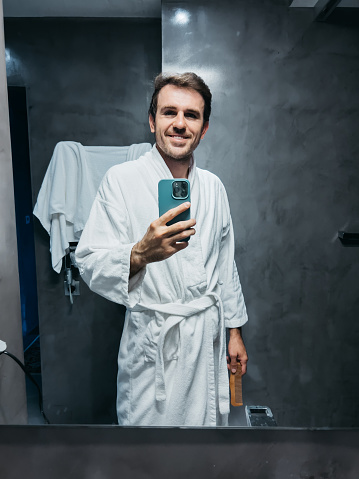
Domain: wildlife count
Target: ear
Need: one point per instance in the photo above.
(204, 129)
(152, 123)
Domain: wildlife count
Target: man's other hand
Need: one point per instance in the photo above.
(162, 241)
(237, 351)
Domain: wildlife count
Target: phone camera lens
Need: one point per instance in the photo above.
(176, 189)
(180, 189)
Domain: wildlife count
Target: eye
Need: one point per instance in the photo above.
(169, 113)
(191, 115)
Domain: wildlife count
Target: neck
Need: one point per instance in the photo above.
(178, 168)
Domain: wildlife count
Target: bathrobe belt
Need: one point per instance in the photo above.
(179, 312)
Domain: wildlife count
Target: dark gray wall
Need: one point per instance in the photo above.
(12, 381)
(88, 81)
(284, 140)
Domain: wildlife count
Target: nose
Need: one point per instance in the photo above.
(179, 121)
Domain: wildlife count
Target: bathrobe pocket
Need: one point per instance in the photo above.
(151, 335)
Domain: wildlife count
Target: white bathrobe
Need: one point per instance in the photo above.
(172, 357)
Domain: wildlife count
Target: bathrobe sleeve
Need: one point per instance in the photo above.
(104, 250)
(235, 312)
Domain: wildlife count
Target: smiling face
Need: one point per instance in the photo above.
(179, 124)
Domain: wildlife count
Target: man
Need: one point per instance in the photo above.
(180, 296)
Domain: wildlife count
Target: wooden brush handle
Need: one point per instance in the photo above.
(235, 384)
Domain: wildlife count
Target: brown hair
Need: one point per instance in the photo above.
(182, 80)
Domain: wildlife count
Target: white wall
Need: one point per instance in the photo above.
(12, 382)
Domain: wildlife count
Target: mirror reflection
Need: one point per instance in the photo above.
(284, 151)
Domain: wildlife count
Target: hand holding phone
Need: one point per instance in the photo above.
(166, 235)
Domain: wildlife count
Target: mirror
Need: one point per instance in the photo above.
(283, 141)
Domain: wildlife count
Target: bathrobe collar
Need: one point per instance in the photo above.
(165, 172)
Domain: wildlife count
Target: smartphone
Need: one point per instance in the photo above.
(172, 193)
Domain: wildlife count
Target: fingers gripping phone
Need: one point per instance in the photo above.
(172, 193)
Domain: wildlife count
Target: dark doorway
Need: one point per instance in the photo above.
(24, 218)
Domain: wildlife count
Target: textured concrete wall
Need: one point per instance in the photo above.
(12, 381)
(88, 81)
(284, 140)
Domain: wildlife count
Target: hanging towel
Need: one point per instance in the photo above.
(69, 189)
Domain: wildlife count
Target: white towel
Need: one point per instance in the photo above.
(70, 186)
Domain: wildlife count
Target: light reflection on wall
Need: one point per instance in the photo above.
(181, 17)
(14, 77)
(212, 76)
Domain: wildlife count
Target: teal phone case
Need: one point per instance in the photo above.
(166, 201)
